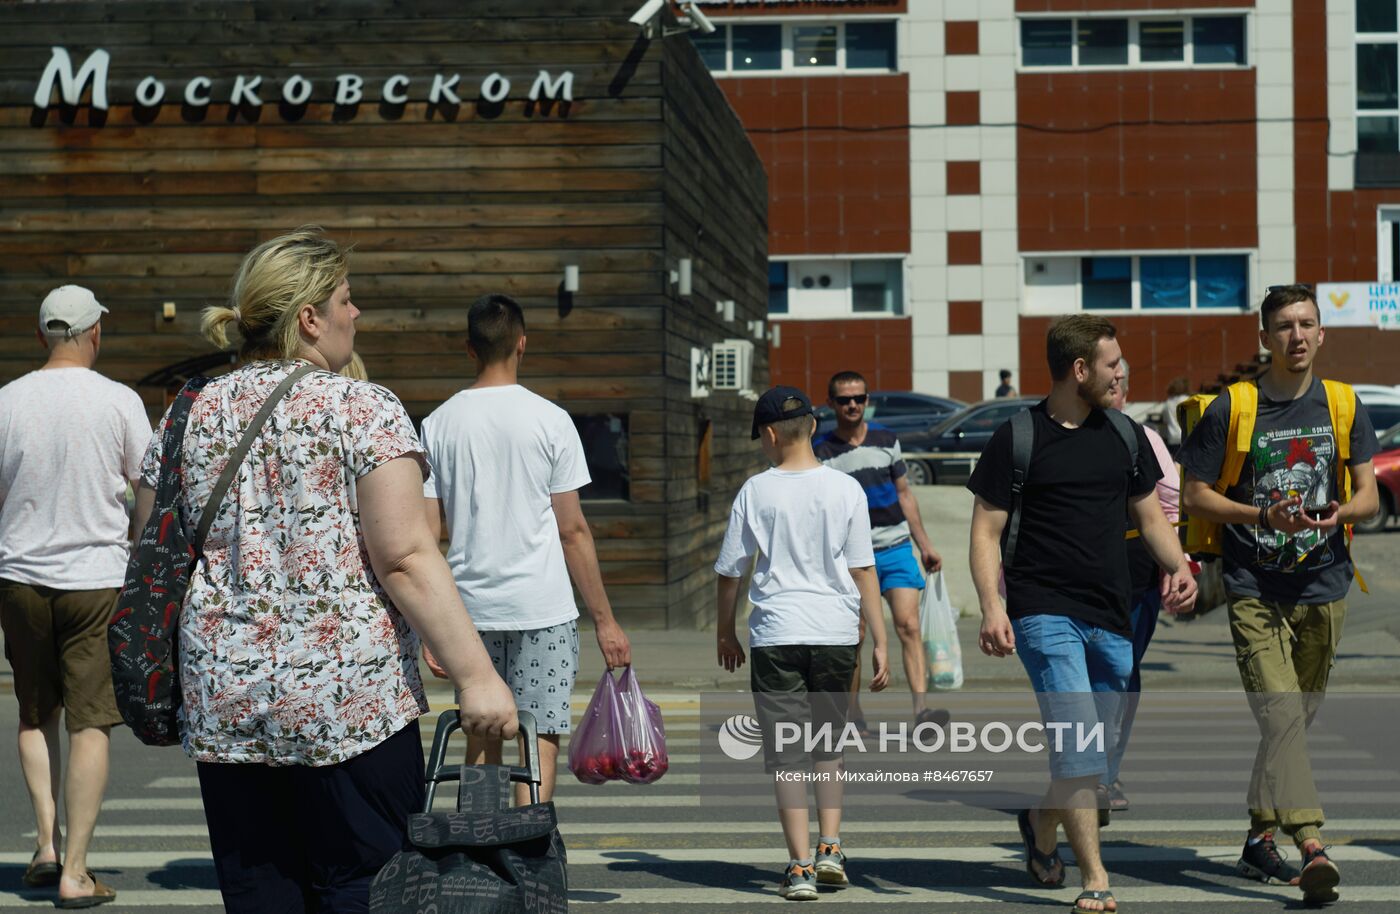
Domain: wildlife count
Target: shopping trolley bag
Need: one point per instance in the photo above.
(485, 857)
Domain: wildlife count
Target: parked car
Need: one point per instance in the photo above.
(1383, 410)
(900, 411)
(1387, 463)
(947, 452)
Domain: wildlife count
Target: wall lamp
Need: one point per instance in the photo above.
(681, 277)
(571, 278)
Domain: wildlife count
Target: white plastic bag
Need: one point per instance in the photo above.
(938, 622)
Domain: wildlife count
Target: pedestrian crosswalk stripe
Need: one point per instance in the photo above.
(886, 893)
(933, 823)
(1008, 852)
(894, 893)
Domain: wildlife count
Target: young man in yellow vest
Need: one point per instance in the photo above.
(1274, 468)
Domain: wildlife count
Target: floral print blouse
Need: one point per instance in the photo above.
(290, 651)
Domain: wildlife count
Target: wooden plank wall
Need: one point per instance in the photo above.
(443, 203)
(716, 204)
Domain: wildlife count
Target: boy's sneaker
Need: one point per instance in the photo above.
(831, 865)
(1320, 877)
(1262, 861)
(799, 883)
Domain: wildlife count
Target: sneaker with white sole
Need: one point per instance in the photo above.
(831, 865)
(1262, 861)
(799, 883)
(1319, 878)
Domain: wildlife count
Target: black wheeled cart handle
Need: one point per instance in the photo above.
(449, 722)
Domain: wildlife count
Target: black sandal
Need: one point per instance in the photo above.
(1047, 862)
(1103, 896)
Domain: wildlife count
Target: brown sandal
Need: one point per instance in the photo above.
(41, 875)
(101, 894)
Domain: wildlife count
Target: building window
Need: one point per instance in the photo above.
(777, 287)
(756, 47)
(1136, 282)
(604, 438)
(774, 47)
(1120, 41)
(1377, 90)
(836, 288)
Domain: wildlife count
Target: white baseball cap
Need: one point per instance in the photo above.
(75, 306)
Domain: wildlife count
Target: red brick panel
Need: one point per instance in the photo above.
(831, 190)
(1096, 6)
(965, 317)
(813, 351)
(964, 248)
(1110, 165)
(804, 7)
(1158, 348)
(964, 178)
(960, 37)
(1359, 355)
(965, 386)
(964, 109)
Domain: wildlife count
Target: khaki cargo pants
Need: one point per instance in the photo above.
(1285, 653)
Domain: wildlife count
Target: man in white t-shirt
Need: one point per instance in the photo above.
(70, 441)
(506, 467)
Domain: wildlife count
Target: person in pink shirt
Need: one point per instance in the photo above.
(1146, 601)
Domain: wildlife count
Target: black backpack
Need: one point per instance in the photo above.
(1023, 443)
(486, 857)
(142, 636)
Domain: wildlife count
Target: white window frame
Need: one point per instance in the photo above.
(1387, 224)
(1135, 19)
(1251, 279)
(787, 66)
(850, 313)
(1393, 113)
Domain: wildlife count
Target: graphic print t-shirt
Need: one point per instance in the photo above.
(1294, 452)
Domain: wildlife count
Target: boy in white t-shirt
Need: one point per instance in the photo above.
(809, 525)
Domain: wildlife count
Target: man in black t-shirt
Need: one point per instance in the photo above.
(1287, 569)
(1067, 605)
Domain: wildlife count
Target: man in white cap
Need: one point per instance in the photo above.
(70, 441)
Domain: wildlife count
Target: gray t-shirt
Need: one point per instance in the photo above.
(1294, 452)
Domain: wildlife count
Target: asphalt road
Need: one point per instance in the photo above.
(659, 848)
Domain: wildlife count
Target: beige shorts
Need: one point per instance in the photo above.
(56, 642)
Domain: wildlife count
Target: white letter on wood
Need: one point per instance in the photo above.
(562, 88)
(197, 92)
(245, 91)
(149, 92)
(349, 89)
(60, 67)
(394, 88)
(442, 88)
(495, 88)
(297, 90)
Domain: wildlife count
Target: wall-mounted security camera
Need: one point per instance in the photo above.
(696, 19)
(649, 11)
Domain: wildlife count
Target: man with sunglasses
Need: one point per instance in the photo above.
(1288, 567)
(870, 453)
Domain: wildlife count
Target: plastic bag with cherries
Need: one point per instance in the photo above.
(621, 736)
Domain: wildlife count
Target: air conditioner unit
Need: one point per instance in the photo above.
(731, 365)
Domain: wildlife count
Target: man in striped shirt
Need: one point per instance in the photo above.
(870, 453)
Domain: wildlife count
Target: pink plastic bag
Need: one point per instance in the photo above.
(595, 749)
(643, 733)
(620, 737)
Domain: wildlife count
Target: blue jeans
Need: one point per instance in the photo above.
(1079, 672)
(1145, 613)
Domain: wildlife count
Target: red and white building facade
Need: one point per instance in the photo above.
(945, 176)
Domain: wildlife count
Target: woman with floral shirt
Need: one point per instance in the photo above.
(298, 653)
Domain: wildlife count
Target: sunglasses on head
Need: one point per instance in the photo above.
(1300, 286)
(854, 398)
